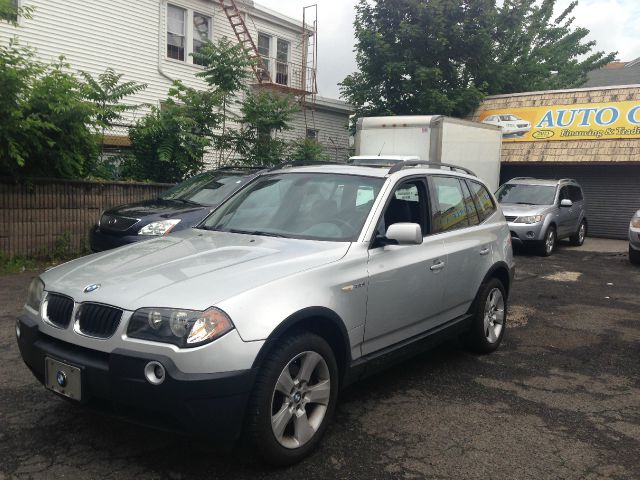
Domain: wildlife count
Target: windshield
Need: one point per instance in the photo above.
(209, 188)
(526, 194)
(315, 206)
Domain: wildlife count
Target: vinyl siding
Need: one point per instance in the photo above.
(130, 37)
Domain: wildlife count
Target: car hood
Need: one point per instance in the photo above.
(193, 269)
(520, 210)
(156, 207)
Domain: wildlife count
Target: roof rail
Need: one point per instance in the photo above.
(567, 180)
(521, 178)
(303, 163)
(417, 163)
(242, 167)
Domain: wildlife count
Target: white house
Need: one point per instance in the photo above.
(150, 41)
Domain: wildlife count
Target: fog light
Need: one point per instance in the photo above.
(154, 373)
(18, 329)
(530, 234)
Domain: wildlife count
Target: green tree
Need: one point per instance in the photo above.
(443, 56)
(307, 150)
(106, 92)
(63, 142)
(264, 115)
(169, 143)
(18, 70)
(226, 70)
(46, 126)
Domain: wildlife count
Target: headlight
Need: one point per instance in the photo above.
(184, 328)
(159, 228)
(531, 219)
(34, 297)
(635, 222)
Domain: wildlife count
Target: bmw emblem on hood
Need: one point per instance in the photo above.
(91, 288)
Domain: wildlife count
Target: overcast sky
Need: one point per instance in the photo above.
(614, 25)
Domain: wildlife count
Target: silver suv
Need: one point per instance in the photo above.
(302, 282)
(541, 212)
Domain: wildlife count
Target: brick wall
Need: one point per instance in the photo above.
(566, 151)
(40, 216)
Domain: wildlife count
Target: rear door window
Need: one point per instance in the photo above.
(482, 198)
(449, 212)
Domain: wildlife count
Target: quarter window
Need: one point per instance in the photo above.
(472, 213)
(201, 33)
(176, 32)
(450, 212)
(482, 198)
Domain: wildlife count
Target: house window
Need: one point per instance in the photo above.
(264, 49)
(201, 33)
(176, 32)
(282, 62)
(313, 134)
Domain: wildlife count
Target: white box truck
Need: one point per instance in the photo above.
(434, 138)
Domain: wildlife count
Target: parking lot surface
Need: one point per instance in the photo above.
(559, 399)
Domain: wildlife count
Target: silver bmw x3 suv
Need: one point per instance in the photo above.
(541, 212)
(305, 280)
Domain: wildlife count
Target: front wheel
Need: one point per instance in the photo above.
(489, 318)
(578, 238)
(634, 256)
(548, 243)
(293, 399)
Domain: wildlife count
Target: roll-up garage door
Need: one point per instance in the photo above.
(612, 191)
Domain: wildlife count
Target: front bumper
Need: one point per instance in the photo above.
(100, 241)
(210, 404)
(522, 232)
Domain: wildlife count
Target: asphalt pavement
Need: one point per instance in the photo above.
(559, 400)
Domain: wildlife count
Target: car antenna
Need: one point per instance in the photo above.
(380, 152)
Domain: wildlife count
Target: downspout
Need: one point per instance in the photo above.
(161, 37)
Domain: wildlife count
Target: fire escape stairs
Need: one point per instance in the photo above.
(246, 41)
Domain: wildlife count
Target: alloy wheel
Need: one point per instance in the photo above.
(300, 399)
(582, 232)
(494, 315)
(550, 241)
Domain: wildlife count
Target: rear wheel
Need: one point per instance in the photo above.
(548, 244)
(634, 256)
(489, 318)
(293, 399)
(578, 238)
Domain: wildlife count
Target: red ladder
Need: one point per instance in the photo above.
(244, 37)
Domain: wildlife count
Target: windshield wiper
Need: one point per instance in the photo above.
(256, 232)
(184, 200)
(525, 203)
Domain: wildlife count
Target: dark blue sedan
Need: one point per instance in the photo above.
(179, 208)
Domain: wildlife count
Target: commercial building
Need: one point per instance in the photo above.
(590, 134)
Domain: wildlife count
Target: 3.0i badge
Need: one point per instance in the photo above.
(91, 288)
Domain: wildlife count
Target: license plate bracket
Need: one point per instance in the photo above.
(63, 378)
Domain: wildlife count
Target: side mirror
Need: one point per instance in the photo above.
(566, 203)
(405, 233)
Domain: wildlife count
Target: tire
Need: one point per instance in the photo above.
(548, 244)
(634, 256)
(578, 238)
(299, 423)
(489, 318)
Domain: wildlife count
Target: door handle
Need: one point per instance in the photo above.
(485, 251)
(436, 267)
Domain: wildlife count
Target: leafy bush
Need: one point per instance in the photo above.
(168, 144)
(45, 128)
